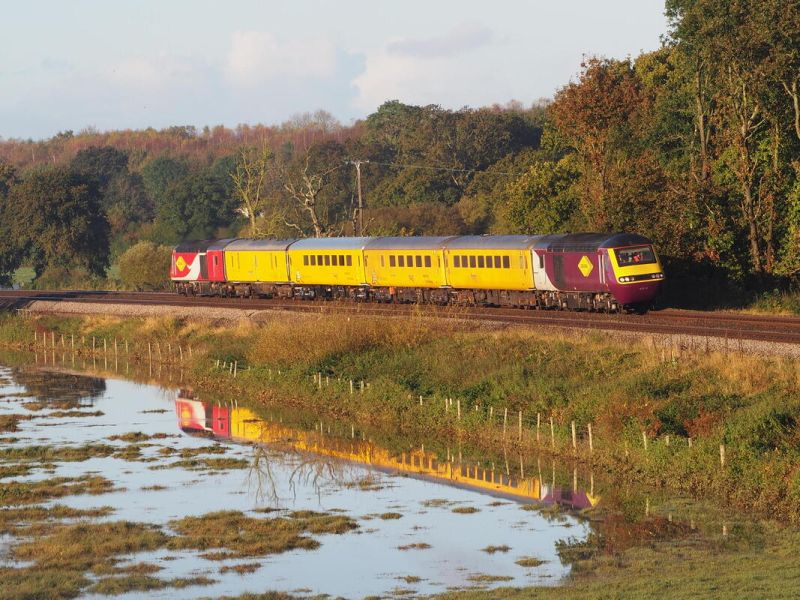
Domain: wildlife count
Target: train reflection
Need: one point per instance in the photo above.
(197, 417)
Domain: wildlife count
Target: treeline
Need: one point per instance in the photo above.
(696, 145)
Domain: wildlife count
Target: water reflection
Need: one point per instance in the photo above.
(64, 389)
(233, 422)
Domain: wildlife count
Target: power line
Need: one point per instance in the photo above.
(436, 168)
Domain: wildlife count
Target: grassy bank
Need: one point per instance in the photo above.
(655, 419)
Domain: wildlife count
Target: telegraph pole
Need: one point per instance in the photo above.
(360, 222)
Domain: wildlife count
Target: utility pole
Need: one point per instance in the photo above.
(360, 222)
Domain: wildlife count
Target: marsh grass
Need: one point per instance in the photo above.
(205, 464)
(232, 534)
(493, 549)
(415, 546)
(465, 510)
(13, 493)
(529, 561)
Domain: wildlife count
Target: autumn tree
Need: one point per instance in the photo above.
(255, 170)
(593, 114)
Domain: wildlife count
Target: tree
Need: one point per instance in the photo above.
(102, 164)
(197, 207)
(315, 203)
(145, 266)
(10, 250)
(56, 219)
(254, 166)
(594, 114)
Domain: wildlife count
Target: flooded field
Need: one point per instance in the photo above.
(232, 499)
(423, 533)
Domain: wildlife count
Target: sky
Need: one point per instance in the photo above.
(132, 64)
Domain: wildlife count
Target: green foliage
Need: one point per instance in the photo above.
(145, 266)
(197, 207)
(58, 222)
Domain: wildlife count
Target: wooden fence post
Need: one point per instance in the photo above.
(591, 442)
(538, 425)
(574, 439)
(552, 435)
(644, 440)
(520, 427)
(722, 455)
(505, 422)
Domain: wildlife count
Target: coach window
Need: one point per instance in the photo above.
(489, 262)
(392, 261)
(327, 260)
(471, 262)
(313, 260)
(341, 260)
(456, 261)
(305, 259)
(419, 260)
(428, 261)
(480, 262)
(349, 260)
(401, 261)
(506, 262)
(497, 263)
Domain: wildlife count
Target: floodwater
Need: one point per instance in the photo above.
(452, 504)
(296, 470)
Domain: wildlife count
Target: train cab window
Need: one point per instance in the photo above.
(641, 255)
(480, 262)
(506, 262)
(428, 261)
(305, 259)
(392, 261)
(401, 261)
(418, 261)
(471, 262)
(349, 260)
(456, 261)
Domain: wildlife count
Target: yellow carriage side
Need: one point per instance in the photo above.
(490, 262)
(414, 262)
(252, 261)
(328, 261)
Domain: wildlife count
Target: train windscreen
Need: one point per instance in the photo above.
(640, 255)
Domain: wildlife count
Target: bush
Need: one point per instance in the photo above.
(145, 266)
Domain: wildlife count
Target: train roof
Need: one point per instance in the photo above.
(408, 243)
(264, 244)
(202, 245)
(332, 244)
(588, 242)
(490, 242)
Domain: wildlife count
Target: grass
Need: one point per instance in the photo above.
(493, 549)
(232, 534)
(15, 493)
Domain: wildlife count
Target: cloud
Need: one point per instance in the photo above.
(257, 56)
(463, 38)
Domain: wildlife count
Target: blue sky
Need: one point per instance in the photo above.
(115, 64)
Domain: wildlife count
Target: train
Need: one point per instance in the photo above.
(608, 272)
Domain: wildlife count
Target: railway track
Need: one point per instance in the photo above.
(731, 326)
